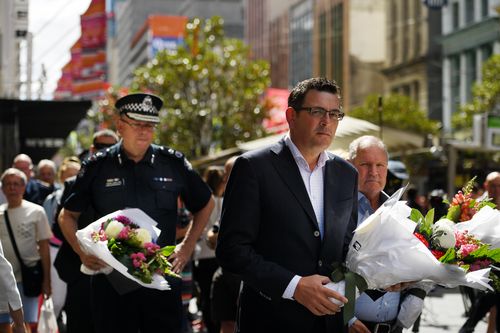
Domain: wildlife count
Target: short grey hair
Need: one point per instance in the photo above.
(363, 142)
(492, 175)
(14, 172)
(47, 163)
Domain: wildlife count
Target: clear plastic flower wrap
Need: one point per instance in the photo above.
(126, 241)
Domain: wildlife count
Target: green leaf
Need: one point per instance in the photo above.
(167, 250)
(453, 213)
(449, 257)
(416, 216)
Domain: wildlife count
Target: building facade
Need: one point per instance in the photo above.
(471, 34)
(13, 32)
(349, 46)
(413, 62)
(130, 42)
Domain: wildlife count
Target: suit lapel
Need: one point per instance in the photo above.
(333, 183)
(289, 172)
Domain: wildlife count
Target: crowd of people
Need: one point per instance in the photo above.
(258, 234)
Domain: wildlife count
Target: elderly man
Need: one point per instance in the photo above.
(30, 231)
(36, 191)
(288, 214)
(137, 174)
(46, 171)
(378, 311)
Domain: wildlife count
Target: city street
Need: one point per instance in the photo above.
(444, 312)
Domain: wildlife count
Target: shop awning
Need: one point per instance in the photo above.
(349, 129)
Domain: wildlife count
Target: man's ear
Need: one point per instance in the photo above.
(290, 116)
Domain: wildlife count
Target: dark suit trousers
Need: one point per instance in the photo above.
(77, 306)
(142, 310)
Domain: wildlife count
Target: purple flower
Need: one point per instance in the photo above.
(123, 219)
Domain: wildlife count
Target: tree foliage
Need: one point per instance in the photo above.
(399, 112)
(210, 88)
(485, 95)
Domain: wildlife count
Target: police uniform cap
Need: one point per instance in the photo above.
(140, 107)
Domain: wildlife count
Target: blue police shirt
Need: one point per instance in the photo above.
(110, 181)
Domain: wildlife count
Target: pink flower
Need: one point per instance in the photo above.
(124, 233)
(462, 238)
(479, 264)
(151, 248)
(137, 259)
(466, 249)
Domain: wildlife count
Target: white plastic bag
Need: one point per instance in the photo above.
(47, 322)
(485, 225)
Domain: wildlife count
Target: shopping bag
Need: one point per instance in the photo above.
(47, 322)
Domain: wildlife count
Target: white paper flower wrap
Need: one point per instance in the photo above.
(484, 225)
(385, 252)
(100, 248)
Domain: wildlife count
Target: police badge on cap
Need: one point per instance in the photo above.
(141, 107)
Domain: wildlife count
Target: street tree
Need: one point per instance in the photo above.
(485, 95)
(398, 111)
(211, 90)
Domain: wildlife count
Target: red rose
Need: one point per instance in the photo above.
(437, 254)
(422, 239)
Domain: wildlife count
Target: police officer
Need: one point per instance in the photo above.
(136, 173)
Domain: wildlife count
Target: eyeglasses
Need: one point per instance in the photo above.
(139, 126)
(318, 112)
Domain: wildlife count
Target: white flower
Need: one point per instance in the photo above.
(113, 229)
(143, 236)
(446, 222)
(443, 234)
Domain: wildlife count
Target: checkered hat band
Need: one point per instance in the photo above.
(143, 117)
(138, 107)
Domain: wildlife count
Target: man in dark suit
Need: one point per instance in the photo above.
(288, 214)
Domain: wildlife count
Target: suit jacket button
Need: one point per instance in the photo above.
(320, 263)
(316, 233)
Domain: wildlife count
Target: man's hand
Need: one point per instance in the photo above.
(181, 257)
(358, 327)
(312, 294)
(92, 262)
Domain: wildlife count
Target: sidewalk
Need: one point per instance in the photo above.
(444, 312)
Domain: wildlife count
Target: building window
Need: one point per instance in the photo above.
(337, 43)
(486, 52)
(416, 92)
(469, 11)
(394, 32)
(455, 15)
(405, 30)
(455, 82)
(322, 44)
(485, 8)
(470, 72)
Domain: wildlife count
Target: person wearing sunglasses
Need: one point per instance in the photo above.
(135, 173)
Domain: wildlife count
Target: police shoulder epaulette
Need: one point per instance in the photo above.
(171, 152)
(97, 156)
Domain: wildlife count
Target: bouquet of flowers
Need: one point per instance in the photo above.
(385, 252)
(466, 236)
(125, 240)
(452, 246)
